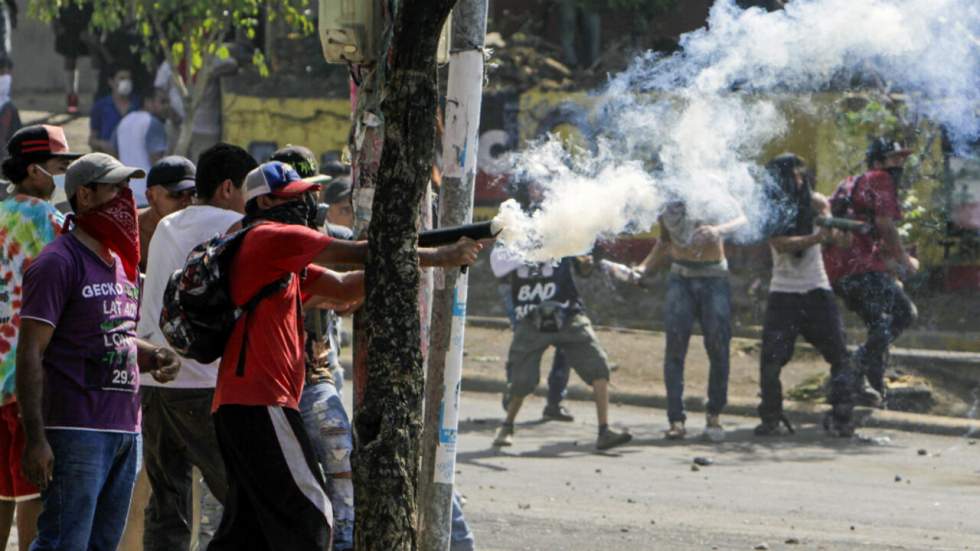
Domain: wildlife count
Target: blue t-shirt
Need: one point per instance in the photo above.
(105, 117)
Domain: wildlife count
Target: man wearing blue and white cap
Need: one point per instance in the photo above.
(266, 450)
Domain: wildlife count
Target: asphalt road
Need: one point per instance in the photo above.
(552, 491)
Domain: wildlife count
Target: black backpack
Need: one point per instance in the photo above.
(198, 314)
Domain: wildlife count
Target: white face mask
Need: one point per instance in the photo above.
(124, 87)
(58, 179)
(5, 81)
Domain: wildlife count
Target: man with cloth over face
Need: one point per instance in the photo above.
(800, 300)
(78, 363)
(276, 496)
(692, 244)
(866, 274)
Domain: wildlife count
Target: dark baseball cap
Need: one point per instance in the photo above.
(337, 190)
(335, 168)
(882, 147)
(174, 173)
(97, 168)
(40, 142)
(300, 158)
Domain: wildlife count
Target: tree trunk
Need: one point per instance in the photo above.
(442, 385)
(387, 421)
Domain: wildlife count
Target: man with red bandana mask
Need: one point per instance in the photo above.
(78, 363)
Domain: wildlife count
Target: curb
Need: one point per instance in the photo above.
(962, 367)
(796, 411)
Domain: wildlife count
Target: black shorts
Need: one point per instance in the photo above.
(276, 492)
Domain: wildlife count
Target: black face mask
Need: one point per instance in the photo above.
(301, 212)
(896, 174)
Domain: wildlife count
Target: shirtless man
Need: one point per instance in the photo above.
(691, 243)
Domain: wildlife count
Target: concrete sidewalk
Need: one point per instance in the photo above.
(963, 366)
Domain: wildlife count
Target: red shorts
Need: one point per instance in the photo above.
(13, 485)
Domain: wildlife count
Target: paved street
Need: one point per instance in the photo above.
(551, 491)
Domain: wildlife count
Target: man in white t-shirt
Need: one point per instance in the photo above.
(178, 432)
(800, 300)
(140, 140)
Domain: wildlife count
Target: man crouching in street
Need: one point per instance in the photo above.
(78, 361)
(800, 300)
(277, 497)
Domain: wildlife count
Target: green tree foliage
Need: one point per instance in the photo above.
(190, 34)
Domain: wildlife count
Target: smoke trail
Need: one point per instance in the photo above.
(688, 127)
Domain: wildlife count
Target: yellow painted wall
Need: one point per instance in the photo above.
(320, 124)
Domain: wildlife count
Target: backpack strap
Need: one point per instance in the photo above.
(264, 293)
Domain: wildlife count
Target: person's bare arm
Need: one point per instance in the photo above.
(710, 233)
(893, 244)
(461, 253)
(732, 225)
(38, 461)
(102, 146)
(659, 256)
(343, 288)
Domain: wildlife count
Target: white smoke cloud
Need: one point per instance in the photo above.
(690, 125)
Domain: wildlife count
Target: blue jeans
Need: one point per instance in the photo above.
(708, 300)
(329, 430)
(461, 538)
(87, 500)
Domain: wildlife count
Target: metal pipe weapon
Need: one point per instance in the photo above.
(845, 224)
(452, 234)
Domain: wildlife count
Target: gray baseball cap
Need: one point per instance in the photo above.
(97, 168)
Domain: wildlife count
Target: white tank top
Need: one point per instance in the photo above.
(792, 273)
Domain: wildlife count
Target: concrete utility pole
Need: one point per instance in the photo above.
(460, 147)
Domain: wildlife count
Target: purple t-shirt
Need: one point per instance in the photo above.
(91, 380)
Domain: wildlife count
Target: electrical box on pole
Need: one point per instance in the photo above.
(350, 32)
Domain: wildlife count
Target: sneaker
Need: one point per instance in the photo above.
(713, 431)
(504, 437)
(769, 428)
(557, 412)
(72, 104)
(611, 439)
(840, 421)
(676, 431)
(868, 396)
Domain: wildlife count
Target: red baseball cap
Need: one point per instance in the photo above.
(40, 142)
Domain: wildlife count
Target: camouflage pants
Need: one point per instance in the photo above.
(329, 430)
